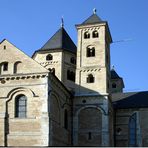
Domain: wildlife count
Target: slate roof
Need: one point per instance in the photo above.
(60, 40)
(114, 75)
(94, 18)
(130, 100)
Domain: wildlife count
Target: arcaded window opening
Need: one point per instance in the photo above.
(73, 60)
(70, 75)
(95, 34)
(114, 85)
(90, 51)
(49, 57)
(15, 70)
(90, 78)
(86, 35)
(52, 70)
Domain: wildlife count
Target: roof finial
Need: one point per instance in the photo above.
(94, 10)
(62, 21)
(113, 67)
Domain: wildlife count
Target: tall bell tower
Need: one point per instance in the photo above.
(93, 56)
(92, 122)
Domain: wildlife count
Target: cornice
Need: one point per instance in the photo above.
(4, 78)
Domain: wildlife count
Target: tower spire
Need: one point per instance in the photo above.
(62, 22)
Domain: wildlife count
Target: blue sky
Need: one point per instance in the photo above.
(28, 24)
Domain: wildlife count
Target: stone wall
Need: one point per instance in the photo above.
(59, 101)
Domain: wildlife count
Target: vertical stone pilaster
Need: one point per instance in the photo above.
(75, 130)
(105, 130)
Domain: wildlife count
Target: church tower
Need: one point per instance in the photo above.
(58, 55)
(93, 56)
(92, 122)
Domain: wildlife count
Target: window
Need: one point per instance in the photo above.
(90, 51)
(73, 60)
(52, 70)
(86, 35)
(65, 119)
(90, 78)
(132, 131)
(49, 57)
(95, 34)
(21, 106)
(4, 46)
(70, 75)
(114, 85)
(16, 67)
(5, 66)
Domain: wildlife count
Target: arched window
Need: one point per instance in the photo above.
(21, 106)
(49, 57)
(73, 60)
(65, 119)
(90, 78)
(52, 70)
(114, 85)
(95, 34)
(15, 70)
(90, 51)
(132, 131)
(70, 75)
(4, 66)
(86, 35)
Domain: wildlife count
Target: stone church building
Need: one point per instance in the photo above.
(67, 95)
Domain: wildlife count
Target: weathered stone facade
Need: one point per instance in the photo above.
(64, 96)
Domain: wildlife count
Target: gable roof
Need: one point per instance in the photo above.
(130, 100)
(29, 66)
(60, 40)
(94, 18)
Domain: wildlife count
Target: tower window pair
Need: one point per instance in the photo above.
(95, 34)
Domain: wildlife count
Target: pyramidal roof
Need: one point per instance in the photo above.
(114, 75)
(94, 18)
(60, 40)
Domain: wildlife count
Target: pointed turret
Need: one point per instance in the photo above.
(117, 83)
(58, 55)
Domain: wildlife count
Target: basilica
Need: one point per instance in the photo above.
(68, 95)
